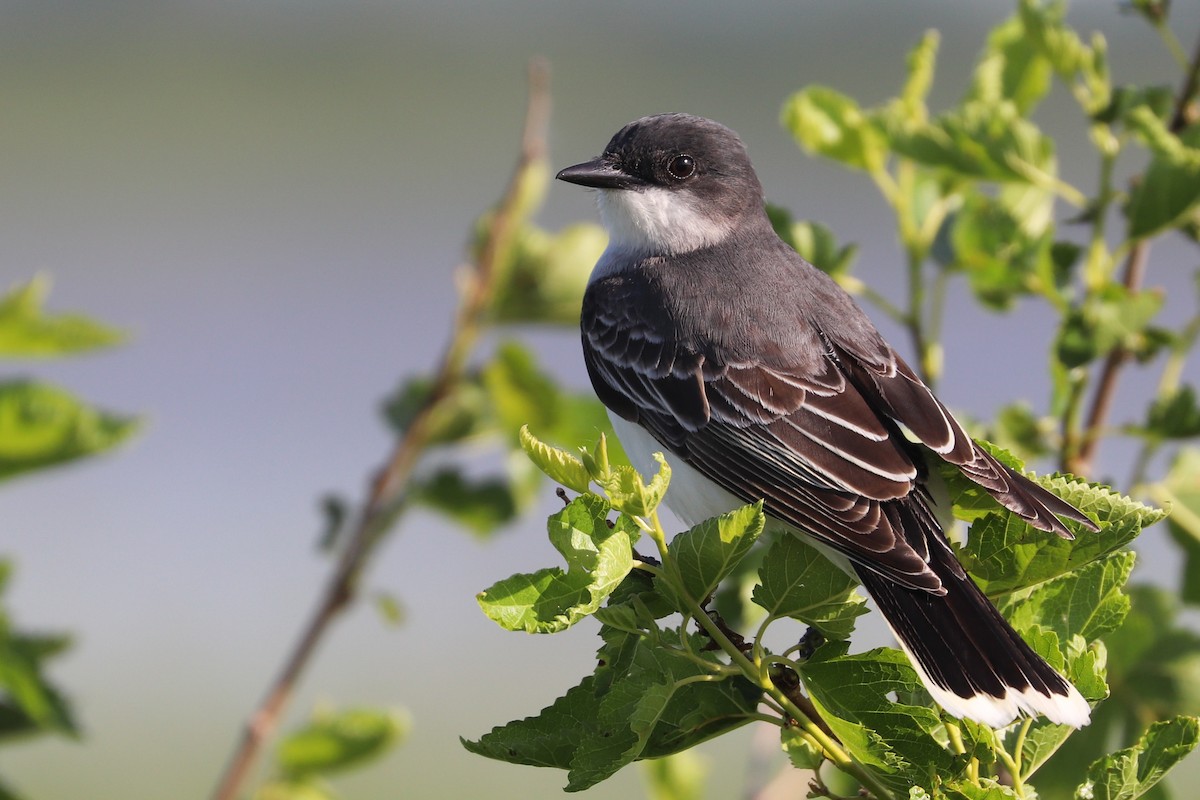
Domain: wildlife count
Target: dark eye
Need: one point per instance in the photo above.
(681, 167)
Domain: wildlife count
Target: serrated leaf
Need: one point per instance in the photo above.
(551, 600)
(830, 124)
(1087, 602)
(41, 426)
(798, 582)
(335, 741)
(638, 705)
(1130, 773)
(559, 465)
(654, 709)
(893, 739)
(548, 739)
(708, 552)
(629, 493)
(998, 247)
(800, 749)
(1004, 553)
(27, 331)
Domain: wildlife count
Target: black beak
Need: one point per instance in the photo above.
(599, 173)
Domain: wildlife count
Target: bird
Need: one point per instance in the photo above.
(712, 341)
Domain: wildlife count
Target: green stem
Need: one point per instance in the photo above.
(759, 675)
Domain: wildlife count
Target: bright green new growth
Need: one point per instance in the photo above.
(661, 689)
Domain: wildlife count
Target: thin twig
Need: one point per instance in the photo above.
(1080, 462)
(387, 490)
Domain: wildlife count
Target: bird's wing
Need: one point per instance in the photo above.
(806, 441)
(813, 429)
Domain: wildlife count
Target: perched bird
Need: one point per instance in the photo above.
(711, 340)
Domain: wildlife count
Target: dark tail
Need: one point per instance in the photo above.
(969, 658)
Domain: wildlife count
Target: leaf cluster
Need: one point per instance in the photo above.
(660, 688)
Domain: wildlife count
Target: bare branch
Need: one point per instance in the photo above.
(387, 491)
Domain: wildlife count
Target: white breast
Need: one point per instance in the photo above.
(652, 219)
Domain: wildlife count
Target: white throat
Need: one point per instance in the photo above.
(658, 221)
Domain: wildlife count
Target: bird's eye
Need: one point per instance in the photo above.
(681, 167)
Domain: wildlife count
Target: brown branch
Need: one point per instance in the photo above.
(387, 490)
(1133, 276)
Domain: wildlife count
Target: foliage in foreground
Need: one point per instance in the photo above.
(661, 687)
(42, 426)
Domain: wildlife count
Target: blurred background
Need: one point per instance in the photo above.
(271, 197)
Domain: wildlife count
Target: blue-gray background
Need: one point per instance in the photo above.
(271, 196)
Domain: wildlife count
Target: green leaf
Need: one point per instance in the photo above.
(996, 247)
(643, 704)
(798, 582)
(1087, 602)
(987, 789)
(1004, 553)
(1110, 318)
(989, 141)
(656, 708)
(464, 414)
(801, 750)
(827, 123)
(1169, 191)
(629, 493)
(551, 600)
(546, 275)
(815, 243)
(1130, 773)
(518, 389)
(711, 550)
(1011, 68)
(561, 466)
(335, 741)
(1180, 493)
(1175, 416)
(41, 426)
(548, 739)
(480, 506)
(27, 331)
(894, 740)
(682, 776)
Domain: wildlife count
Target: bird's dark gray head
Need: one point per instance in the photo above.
(671, 183)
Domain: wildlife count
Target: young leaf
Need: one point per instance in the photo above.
(629, 493)
(796, 581)
(27, 331)
(551, 600)
(337, 741)
(561, 466)
(1130, 773)
(986, 789)
(1175, 416)
(1011, 68)
(830, 124)
(41, 426)
(711, 550)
